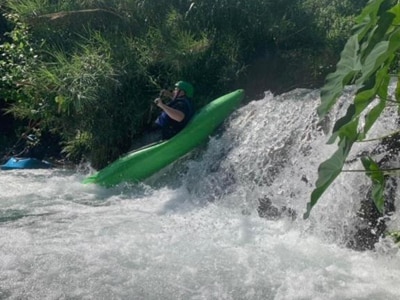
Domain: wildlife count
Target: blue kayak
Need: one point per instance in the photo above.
(25, 163)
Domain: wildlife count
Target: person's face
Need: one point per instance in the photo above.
(178, 92)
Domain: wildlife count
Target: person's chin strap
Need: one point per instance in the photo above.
(176, 95)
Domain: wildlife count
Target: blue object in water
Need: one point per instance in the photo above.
(25, 163)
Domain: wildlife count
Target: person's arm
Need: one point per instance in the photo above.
(173, 113)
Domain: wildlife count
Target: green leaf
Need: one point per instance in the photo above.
(397, 92)
(394, 42)
(328, 171)
(342, 122)
(373, 61)
(378, 182)
(369, 13)
(395, 235)
(364, 97)
(61, 101)
(382, 53)
(383, 80)
(379, 33)
(396, 12)
(347, 125)
(348, 66)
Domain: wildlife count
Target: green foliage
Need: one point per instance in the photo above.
(28, 7)
(328, 171)
(335, 17)
(395, 235)
(74, 148)
(18, 59)
(365, 61)
(348, 66)
(378, 182)
(78, 80)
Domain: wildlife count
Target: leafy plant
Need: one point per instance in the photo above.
(19, 58)
(378, 181)
(366, 61)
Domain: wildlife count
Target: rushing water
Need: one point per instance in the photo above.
(192, 231)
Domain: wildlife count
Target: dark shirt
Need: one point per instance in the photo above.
(169, 126)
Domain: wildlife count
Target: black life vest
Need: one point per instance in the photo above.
(169, 126)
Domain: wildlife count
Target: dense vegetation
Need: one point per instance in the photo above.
(84, 72)
(370, 60)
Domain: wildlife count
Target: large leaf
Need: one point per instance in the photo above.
(378, 182)
(397, 92)
(367, 18)
(378, 55)
(346, 119)
(383, 80)
(348, 66)
(382, 54)
(383, 26)
(373, 61)
(328, 171)
(377, 65)
(362, 99)
(395, 10)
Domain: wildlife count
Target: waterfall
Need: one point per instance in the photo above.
(194, 231)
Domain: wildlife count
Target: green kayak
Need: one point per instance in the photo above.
(141, 164)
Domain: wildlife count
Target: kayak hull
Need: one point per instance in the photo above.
(16, 163)
(141, 164)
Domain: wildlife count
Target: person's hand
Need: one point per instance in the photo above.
(158, 101)
(165, 93)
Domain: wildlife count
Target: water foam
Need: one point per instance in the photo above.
(193, 230)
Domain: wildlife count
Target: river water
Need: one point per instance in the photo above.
(193, 231)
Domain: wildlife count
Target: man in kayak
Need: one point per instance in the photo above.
(177, 112)
(175, 115)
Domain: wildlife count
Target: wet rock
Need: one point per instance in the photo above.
(270, 212)
(370, 224)
(369, 228)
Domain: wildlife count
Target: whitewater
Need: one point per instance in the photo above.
(193, 231)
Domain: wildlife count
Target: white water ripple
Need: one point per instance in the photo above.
(193, 231)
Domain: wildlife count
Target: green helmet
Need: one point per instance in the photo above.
(186, 87)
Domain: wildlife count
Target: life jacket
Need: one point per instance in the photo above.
(170, 127)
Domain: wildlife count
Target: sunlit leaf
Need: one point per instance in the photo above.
(348, 66)
(378, 33)
(381, 53)
(375, 59)
(369, 13)
(396, 12)
(395, 235)
(348, 117)
(383, 80)
(328, 171)
(362, 99)
(397, 92)
(394, 42)
(378, 182)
